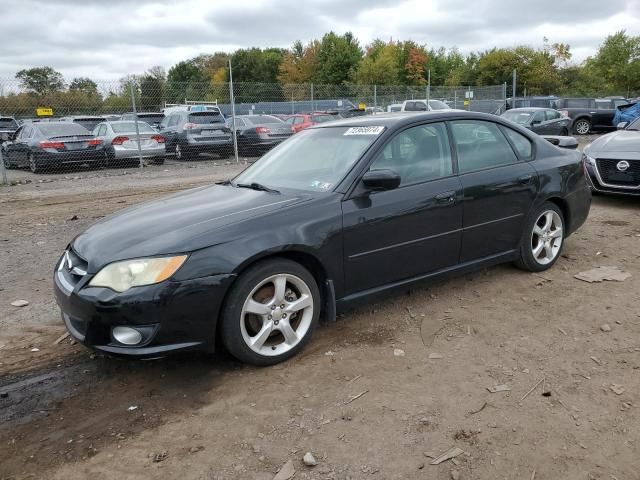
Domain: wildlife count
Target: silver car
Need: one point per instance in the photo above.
(121, 144)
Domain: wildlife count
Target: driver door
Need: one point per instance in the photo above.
(399, 234)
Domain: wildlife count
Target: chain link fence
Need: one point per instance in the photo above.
(133, 122)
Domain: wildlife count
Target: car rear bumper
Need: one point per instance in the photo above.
(120, 152)
(170, 316)
(579, 205)
(61, 158)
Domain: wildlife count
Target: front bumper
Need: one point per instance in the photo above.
(172, 316)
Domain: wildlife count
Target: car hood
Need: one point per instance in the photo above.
(620, 141)
(180, 223)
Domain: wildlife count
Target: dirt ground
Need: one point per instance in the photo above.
(376, 394)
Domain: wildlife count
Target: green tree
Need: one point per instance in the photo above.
(152, 89)
(337, 57)
(618, 62)
(84, 85)
(40, 80)
(380, 65)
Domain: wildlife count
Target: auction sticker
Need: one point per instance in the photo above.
(364, 131)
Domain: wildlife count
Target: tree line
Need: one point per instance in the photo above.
(340, 60)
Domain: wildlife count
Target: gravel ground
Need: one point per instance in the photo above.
(377, 394)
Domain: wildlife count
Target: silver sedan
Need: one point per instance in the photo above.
(121, 142)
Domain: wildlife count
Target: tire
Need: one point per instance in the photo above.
(179, 152)
(564, 132)
(272, 334)
(34, 166)
(582, 126)
(7, 164)
(543, 233)
(158, 161)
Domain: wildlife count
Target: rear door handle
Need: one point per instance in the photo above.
(525, 179)
(446, 197)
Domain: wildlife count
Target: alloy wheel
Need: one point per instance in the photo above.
(583, 127)
(277, 314)
(547, 237)
(178, 151)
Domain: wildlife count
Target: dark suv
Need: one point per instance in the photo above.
(190, 133)
(589, 114)
(8, 127)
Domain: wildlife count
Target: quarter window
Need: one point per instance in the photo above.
(480, 145)
(417, 154)
(173, 121)
(520, 143)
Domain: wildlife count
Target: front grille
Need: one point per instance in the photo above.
(608, 170)
(72, 269)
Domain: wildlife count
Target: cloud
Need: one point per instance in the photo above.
(107, 40)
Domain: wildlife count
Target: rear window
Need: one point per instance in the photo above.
(62, 129)
(205, 118)
(157, 117)
(258, 119)
(88, 123)
(322, 118)
(578, 103)
(8, 123)
(604, 104)
(130, 127)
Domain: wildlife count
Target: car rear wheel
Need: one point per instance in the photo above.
(270, 312)
(158, 161)
(34, 165)
(5, 160)
(542, 240)
(582, 126)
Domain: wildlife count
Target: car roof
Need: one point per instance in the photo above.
(400, 119)
(528, 109)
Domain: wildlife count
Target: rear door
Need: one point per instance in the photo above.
(21, 147)
(169, 128)
(499, 186)
(555, 123)
(414, 229)
(603, 114)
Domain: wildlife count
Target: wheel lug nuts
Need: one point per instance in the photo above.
(273, 307)
(284, 315)
(269, 317)
(282, 306)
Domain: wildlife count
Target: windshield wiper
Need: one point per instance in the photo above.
(257, 186)
(224, 182)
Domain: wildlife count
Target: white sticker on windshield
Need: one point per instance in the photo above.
(364, 131)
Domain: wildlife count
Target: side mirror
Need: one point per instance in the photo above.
(383, 179)
(622, 125)
(569, 143)
(536, 122)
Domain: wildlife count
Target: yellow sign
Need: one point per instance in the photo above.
(44, 112)
(466, 102)
(362, 106)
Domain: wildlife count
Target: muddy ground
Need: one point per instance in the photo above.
(375, 395)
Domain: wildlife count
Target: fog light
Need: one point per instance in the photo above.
(127, 335)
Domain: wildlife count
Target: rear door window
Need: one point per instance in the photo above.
(206, 118)
(552, 115)
(521, 143)
(480, 145)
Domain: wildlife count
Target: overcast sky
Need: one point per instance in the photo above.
(107, 39)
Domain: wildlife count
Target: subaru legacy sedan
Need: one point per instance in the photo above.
(335, 214)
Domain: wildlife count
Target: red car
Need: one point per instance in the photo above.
(300, 121)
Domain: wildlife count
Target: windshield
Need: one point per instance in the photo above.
(88, 123)
(438, 105)
(62, 129)
(315, 160)
(521, 118)
(130, 127)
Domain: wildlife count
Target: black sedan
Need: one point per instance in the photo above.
(257, 134)
(336, 214)
(49, 145)
(613, 161)
(543, 121)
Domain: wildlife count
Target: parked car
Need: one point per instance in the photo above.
(536, 101)
(191, 106)
(190, 133)
(589, 114)
(87, 121)
(394, 107)
(301, 121)
(627, 113)
(46, 145)
(613, 161)
(121, 143)
(421, 105)
(543, 121)
(8, 126)
(337, 214)
(257, 134)
(152, 118)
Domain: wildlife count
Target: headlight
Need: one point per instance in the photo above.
(121, 276)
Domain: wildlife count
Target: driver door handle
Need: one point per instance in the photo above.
(446, 197)
(524, 179)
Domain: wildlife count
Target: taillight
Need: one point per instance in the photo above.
(262, 130)
(119, 140)
(190, 126)
(48, 144)
(95, 141)
(158, 138)
(564, 113)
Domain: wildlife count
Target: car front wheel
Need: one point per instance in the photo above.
(270, 312)
(542, 240)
